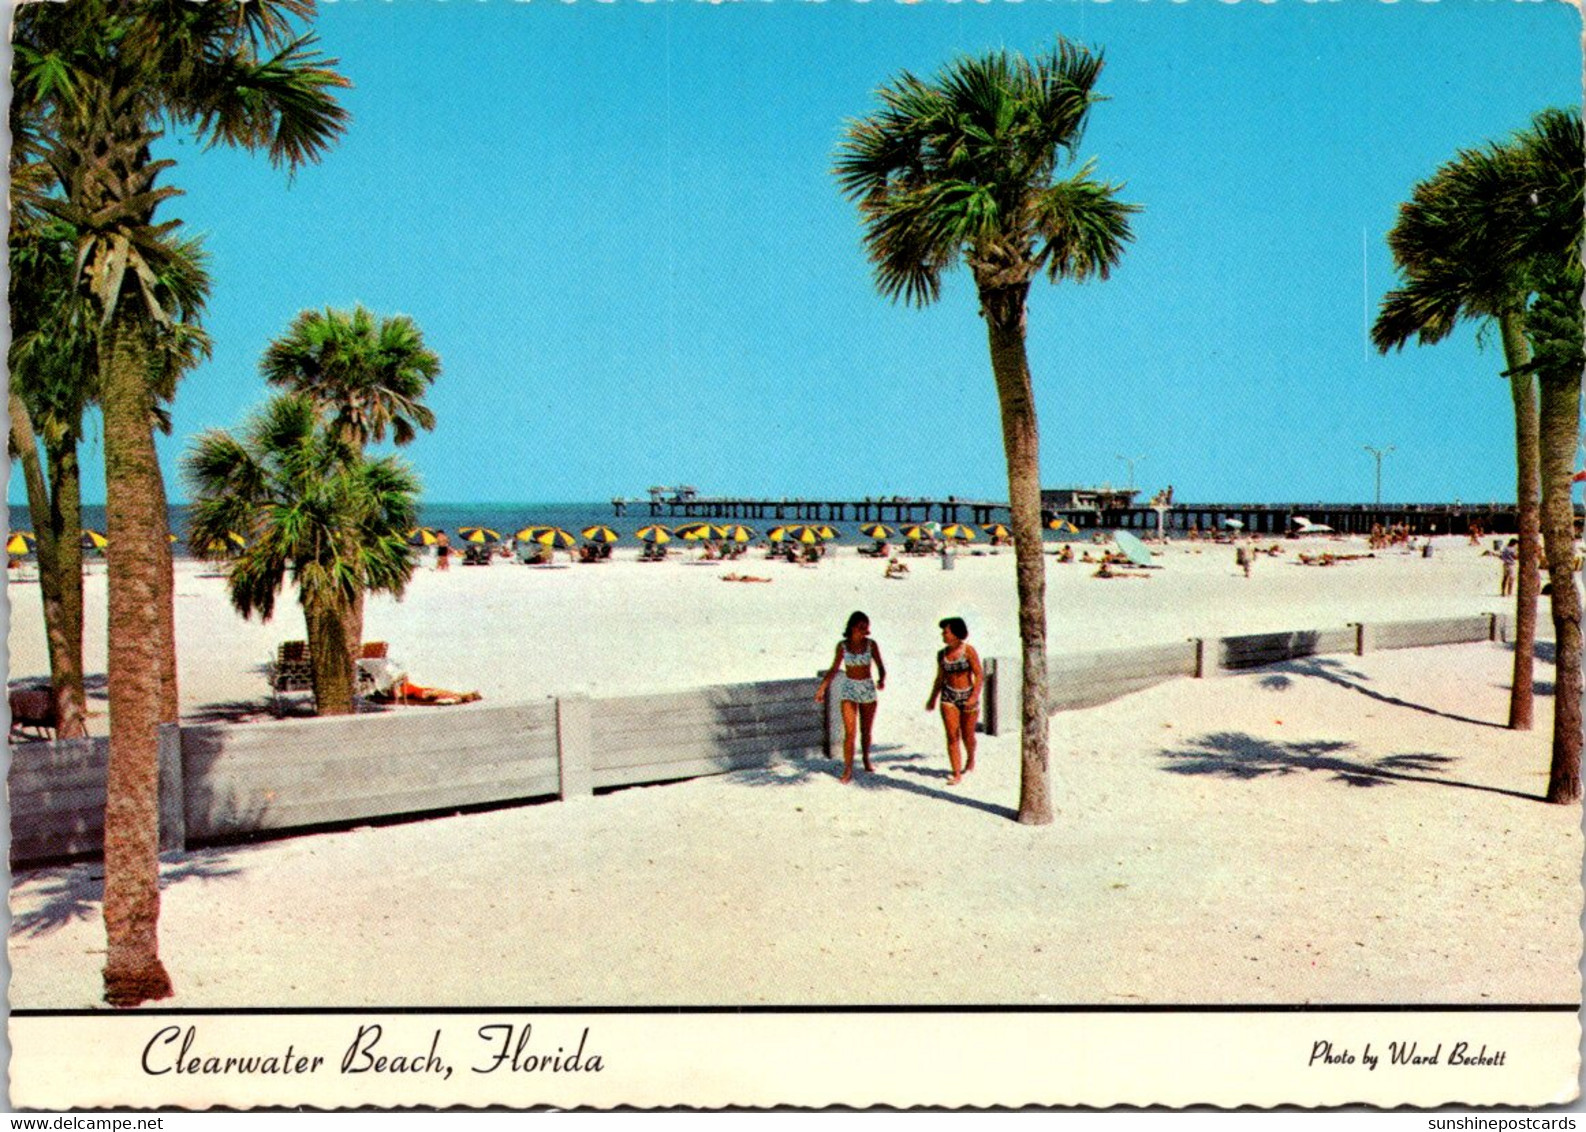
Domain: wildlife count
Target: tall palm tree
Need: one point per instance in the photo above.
(315, 509)
(370, 374)
(964, 169)
(1443, 247)
(1496, 234)
(96, 80)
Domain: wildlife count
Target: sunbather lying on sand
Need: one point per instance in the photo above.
(414, 694)
(743, 578)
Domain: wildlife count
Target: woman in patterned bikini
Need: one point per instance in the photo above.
(959, 678)
(856, 690)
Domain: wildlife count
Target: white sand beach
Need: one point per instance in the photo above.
(1333, 830)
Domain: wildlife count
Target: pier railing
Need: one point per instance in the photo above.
(222, 783)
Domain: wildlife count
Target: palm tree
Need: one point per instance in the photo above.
(315, 508)
(1442, 245)
(963, 169)
(1496, 234)
(95, 80)
(371, 375)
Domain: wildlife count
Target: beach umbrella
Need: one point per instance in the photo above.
(19, 542)
(655, 533)
(1063, 526)
(93, 540)
(918, 531)
(527, 533)
(696, 531)
(804, 533)
(479, 534)
(777, 534)
(826, 531)
(996, 530)
(598, 533)
(959, 531)
(231, 543)
(422, 536)
(737, 533)
(554, 537)
(1233, 524)
(878, 531)
(1133, 549)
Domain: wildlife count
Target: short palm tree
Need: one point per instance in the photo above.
(313, 509)
(963, 169)
(370, 374)
(93, 82)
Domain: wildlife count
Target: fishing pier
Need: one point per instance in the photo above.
(1114, 511)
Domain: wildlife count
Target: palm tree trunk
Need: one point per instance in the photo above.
(1004, 313)
(66, 661)
(1560, 426)
(1528, 582)
(330, 656)
(170, 703)
(133, 971)
(66, 634)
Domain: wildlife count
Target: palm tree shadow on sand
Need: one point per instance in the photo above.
(77, 893)
(1241, 757)
(1339, 673)
(896, 769)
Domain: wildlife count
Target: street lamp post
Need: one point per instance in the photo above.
(1131, 461)
(1379, 453)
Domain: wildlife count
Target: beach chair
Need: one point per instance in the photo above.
(478, 554)
(291, 671)
(377, 672)
(33, 708)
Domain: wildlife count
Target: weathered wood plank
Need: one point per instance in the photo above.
(619, 730)
(232, 815)
(65, 756)
(672, 772)
(1256, 650)
(417, 776)
(286, 743)
(1151, 661)
(722, 695)
(684, 750)
(1433, 631)
(652, 714)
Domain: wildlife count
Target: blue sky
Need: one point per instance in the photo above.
(617, 225)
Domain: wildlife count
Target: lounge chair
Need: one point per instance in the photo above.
(478, 554)
(291, 671)
(378, 673)
(33, 708)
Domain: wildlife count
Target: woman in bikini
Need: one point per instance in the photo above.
(959, 678)
(856, 690)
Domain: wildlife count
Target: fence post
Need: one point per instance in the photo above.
(1360, 637)
(990, 697)
(173, 792)
(574, 746)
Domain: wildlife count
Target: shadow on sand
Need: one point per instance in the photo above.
(76, 892)
(1337, 672)
(896, 769)
(1242, 757)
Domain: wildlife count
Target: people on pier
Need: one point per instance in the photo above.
(857, 654)
(959, 679)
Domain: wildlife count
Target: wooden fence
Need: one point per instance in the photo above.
(220, 782)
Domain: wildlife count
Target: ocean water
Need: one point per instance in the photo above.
(507, 518)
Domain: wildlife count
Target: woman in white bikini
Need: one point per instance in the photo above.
(856, 690)
(959, 677)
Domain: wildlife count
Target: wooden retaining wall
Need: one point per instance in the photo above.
(224, 781)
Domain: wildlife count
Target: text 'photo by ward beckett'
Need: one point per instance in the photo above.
(578, 555)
